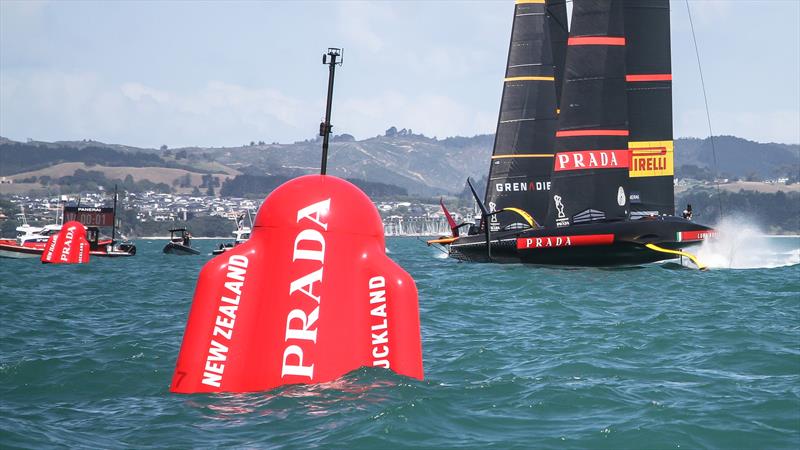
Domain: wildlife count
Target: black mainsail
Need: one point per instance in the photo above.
(590, 170)
(559, 33)
(649, 88)
(519, 175)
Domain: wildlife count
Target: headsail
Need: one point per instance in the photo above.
(649, 85)
(590, 171)
(519, 176)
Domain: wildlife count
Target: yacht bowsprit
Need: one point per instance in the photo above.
(589, 183)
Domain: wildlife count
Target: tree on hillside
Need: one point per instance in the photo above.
(185, 181)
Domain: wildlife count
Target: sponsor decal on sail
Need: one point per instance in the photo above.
(565, 241)
(651, 159)
(591, 159)
(522, 186)
(562, 220)
(494, 223)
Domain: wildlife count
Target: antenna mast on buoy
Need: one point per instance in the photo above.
(334, 57)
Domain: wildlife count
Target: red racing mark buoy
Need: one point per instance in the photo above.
(310, 297)
(69, 246)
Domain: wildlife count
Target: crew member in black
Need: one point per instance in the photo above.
(687, 213)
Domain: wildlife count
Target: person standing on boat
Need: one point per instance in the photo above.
(187, 238)
(687, 213)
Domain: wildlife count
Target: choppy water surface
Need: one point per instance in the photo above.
(515, 357)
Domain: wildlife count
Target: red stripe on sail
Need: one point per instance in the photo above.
(572, 133)
(596, 40)
(564, 241)
(649, 77)
(592, 159)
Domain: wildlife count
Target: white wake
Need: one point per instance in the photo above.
(741, 244)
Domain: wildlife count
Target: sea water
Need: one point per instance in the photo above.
(658, 356)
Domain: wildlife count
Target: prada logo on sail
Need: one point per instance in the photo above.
(591, 159)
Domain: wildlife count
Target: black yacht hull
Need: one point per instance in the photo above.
(599, 244)
(178, 249)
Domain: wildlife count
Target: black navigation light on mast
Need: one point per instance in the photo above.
(334, 57)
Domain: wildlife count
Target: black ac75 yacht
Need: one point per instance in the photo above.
(582, 171)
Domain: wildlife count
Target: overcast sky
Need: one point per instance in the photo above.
(222, 74)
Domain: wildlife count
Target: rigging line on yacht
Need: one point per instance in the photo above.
(708, 114)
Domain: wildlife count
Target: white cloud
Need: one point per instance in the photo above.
(781, 126)
(82, 105)
(430, 114)
(138, 92)
(361, 22)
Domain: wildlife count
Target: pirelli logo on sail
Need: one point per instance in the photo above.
(651, 159)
